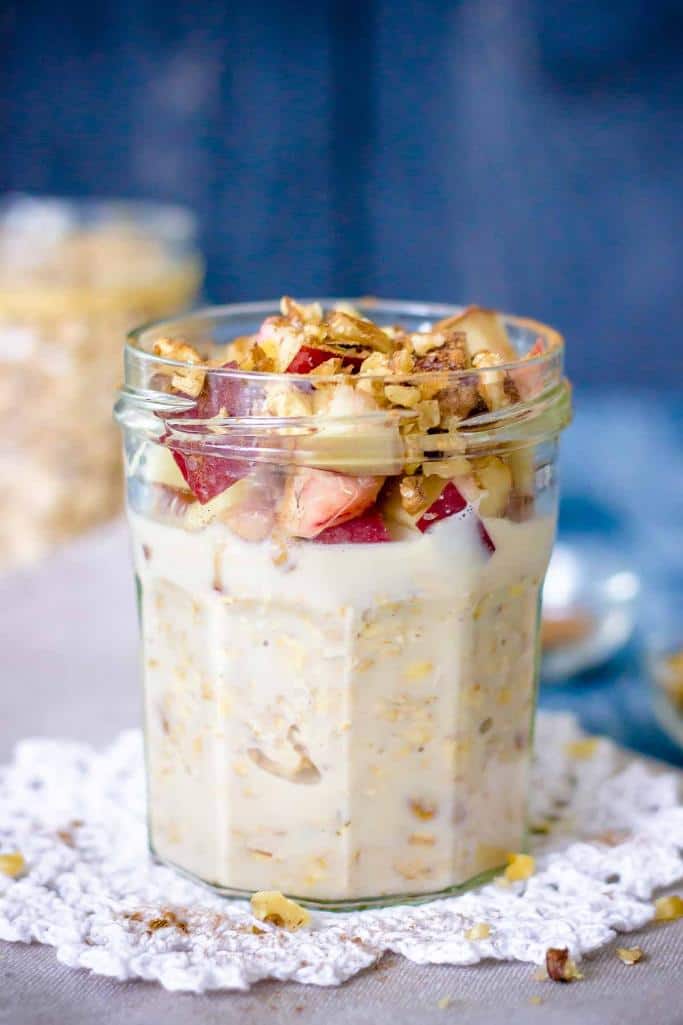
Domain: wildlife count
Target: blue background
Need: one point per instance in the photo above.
(525, 154)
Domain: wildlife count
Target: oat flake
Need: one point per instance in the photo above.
(91, 891)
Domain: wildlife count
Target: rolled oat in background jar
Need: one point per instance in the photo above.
(74, 277)
(341, 521)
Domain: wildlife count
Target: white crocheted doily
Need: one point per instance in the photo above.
(77, 816)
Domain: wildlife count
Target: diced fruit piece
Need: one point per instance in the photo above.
(351, 441)
(208, 475)
(449, 503)
(369, 527)
(316, 499)
(309, 357)
(494, 478)
(485, 537)
(484, 331)
(160, 467)
(246, 506)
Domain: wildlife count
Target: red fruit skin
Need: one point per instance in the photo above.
(449, 503)
(308, 358)
(368, 528)
(207, 475)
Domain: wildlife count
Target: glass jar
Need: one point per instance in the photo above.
(74, 277)
(339, 707)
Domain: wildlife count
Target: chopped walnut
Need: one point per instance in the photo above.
(413, 497)
(12, 864)
(167, 920)
(312, 314)
(491, 385)
(344, 329)
(668, 909)
(405, 395)
(560, 966)
(189, 382)
(629, 955)
(273, 907)
(520, 867)
(479, 931)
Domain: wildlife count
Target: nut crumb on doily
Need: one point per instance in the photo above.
(560, 966)
(629, 955)
(164, 919)
(273, 907)
(479, 931)
(443, 1002)
(12, 864)
(520, 867)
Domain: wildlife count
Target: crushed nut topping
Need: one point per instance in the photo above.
(189, 382)
(560, 966)
(273, 907)
(12, 864)
(629, 955)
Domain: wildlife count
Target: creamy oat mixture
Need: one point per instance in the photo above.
(340, 649)
(68, 295)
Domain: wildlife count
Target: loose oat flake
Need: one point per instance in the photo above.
(104, 905)
(629, 955)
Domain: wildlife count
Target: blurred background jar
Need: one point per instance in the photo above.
(75, 276)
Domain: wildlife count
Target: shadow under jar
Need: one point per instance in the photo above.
(339, 542)
(75, 276)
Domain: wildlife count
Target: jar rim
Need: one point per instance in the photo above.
(146, 408)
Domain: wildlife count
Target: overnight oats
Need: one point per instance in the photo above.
(74, 276)
(341, 520)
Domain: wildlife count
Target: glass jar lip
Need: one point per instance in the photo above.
(553, 353)
(170, 223)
